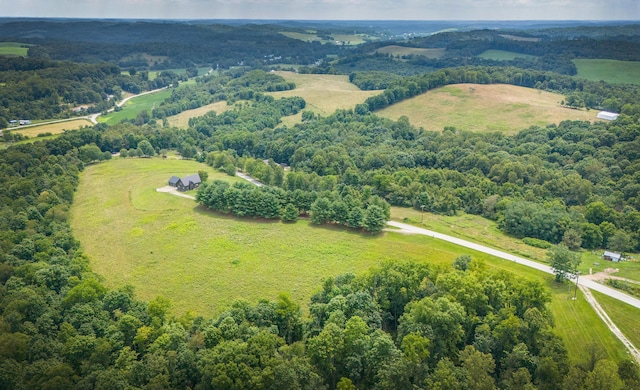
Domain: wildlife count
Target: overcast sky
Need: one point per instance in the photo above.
(329, 9)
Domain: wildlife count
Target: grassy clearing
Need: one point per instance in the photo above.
(469, 227)
(611, 71)
(53, 128)
(345, 39)
(623, 315)
(182, 119)
(135, 105)
(324, 93)
(167, 245)
(502, 55)
(401, 51)
(484, 108)
(518, 38)
(13, 49)
(306, 37)
(593, 261)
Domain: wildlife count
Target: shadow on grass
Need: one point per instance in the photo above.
(203, 210)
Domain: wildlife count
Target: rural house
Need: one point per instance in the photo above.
(612, 256)
(186, 183)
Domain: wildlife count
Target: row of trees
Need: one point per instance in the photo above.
(350, 209)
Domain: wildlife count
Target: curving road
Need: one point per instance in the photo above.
(409, 229)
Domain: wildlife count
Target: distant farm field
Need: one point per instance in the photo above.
(203, 261)
(182, 119)
(13, 49)
(395, 50)
(323, 93)
(611, 71)
(484, 108)
(344, 39)
(53, 128)
(502, 55)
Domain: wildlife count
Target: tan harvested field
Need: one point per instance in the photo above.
(53, 128)
(485, 108)
(324, 93)
(405, 51)
(182, 119)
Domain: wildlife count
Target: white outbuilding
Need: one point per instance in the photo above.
(608, 116)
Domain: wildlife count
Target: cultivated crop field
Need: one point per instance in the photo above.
(395, 50)
(611, 71)
(324, 94)
(203, 261)
(182, 119)
(484, 108)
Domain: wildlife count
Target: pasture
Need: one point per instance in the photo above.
(324, 94)
(343, 39)
(53, 128)
(182, 119)
(135, 105)
(502, 55)
(203, 261)
(623, 315)
(611, 71)
(484, 108)
(13, 49)
(402, 51)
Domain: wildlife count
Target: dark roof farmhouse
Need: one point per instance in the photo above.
(186, 183)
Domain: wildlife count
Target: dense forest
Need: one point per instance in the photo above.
(35, 88)
(398, 326)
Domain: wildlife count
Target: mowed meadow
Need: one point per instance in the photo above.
(484, 108)
(324, 94)
(202, 261)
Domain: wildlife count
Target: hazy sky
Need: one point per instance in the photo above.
(330, 9)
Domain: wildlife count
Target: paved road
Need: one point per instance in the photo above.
(249, 179)
(409, 229)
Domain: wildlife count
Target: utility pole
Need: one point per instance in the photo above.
(575, 294)
(422, 216)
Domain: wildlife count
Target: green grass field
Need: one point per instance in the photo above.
(623, 315)
(324, 94)
(132, 107)
(611, 71)
(502, 55)
(13, 49)
(484, 108)
(203, 261)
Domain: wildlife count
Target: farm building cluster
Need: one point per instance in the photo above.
(186, 183)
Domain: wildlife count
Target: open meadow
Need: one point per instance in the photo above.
(203, 261)
(182, 119)
(502, 55)
(484, 108)
(52, 128)
(611, 71)
(13, 49)
(401, 51)
(324, 94)
(135, 105)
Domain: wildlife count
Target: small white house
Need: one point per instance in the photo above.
(612, 256)
(608, 116)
